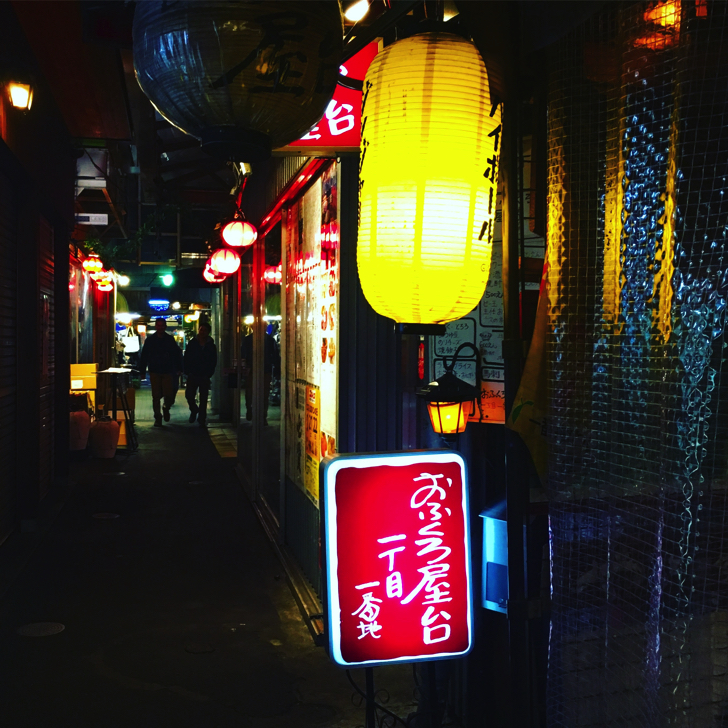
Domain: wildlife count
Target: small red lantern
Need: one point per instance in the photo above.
(93, 264)
(273, 274)
(211, 277)
(105, 285)
(239, 233)
(224, 262)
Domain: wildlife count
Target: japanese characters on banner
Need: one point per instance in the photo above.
(312, 301)
(483, 327)
(397, 557)
(340, 127)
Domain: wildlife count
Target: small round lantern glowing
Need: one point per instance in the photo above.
(429, 171)
(211, 276)
(105, 285)
(224, 262)
(273, 274)
(450, 400)
(93, 264)
(239, 233)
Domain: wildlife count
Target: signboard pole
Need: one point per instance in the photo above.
(370, 721)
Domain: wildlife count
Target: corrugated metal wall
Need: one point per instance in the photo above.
(8, 355)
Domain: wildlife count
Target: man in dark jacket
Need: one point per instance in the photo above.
(163, 358)
(200, 363)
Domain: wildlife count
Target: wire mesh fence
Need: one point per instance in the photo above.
(637, 285)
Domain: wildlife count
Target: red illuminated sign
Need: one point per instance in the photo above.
(340, 127)
(397, 557)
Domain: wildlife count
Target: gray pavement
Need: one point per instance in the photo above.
(176, 613)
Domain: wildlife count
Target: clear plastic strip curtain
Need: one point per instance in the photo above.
(637, 286)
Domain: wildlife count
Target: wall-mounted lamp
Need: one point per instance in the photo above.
(123, 280)
(21, 95)
(176, 305)
(446, 396)
(168, 279)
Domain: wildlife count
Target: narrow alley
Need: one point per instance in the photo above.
(176, 611)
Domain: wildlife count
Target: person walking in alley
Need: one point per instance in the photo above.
(200, 363)
(163, 358)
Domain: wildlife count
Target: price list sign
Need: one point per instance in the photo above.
(397, 557)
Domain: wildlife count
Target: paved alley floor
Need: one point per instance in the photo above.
(176, 611)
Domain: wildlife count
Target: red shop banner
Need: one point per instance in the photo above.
(340, 127)
(397, 545)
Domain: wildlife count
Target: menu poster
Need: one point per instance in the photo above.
(312, 300)
(312, 440)
(329, 310)
(311, 251)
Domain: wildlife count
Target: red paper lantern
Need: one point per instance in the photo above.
(105, 285)
(273, 274)
(211, 277)
(239, 233)
(93, 264)
(224, 262)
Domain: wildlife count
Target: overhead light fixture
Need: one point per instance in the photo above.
(126, 318)
(21, 95)
(123, 280)
(356, 11)
(176, 305)
(168, 279)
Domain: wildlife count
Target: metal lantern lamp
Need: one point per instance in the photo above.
(21, 95)
(430, 144)
(224, 262)
(450, 400)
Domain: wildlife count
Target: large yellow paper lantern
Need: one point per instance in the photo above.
(431, 139)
